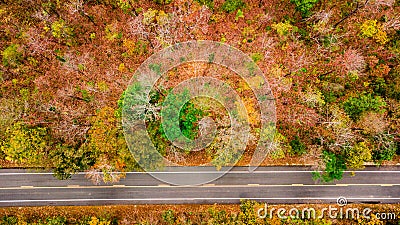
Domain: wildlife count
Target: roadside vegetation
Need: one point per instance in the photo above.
(333, 67)
(245, 213)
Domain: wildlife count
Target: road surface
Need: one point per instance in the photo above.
(266, 184)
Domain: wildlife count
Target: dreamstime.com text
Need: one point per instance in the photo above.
(339, 211)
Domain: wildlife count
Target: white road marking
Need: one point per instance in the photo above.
(212, 172)
(185, 199)
(194, 186)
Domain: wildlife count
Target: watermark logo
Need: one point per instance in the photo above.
(332, 212)
(137, 108)
(341, 201)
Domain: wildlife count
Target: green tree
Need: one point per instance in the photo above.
(232, 5)
(354, 107)
(189, 117)
(70, 159)
(304, 6)
(169, 112)
(334, 167)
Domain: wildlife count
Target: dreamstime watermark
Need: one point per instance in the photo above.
(339, 211)
(136, 107)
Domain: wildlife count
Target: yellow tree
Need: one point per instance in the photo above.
(105, 140)
(357, 155)
(27, 145)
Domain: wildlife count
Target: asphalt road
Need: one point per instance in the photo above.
(266, 184)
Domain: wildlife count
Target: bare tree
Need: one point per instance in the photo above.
(103, 172)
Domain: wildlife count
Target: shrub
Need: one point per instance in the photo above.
(329, 96)
(12, 55)
(393, 87)
(380, 86)
(217, 217)
(247, 214)
(59, 220)
(10, 110)
(279, 143)
(149, 16)
(313, 98)
(112, 33)
(163, 2)
(371, 29)
(239, 14)
(297, 147)
(354, 107)
(386, 147)
(169, 216)
(98, 221)
(304, 6)
(256, 57)
(9, 220)
(134, 48)
(232, 5)
(386, 153)
(157, 136)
